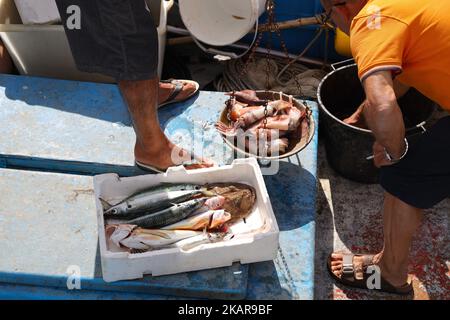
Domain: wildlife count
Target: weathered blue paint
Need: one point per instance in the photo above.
(293, 196)
(48, 223)
(21, 292)
(97, 109)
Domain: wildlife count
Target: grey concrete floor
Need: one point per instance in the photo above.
(349, 219)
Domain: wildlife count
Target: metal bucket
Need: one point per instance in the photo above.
(298, 142)
(339, 95)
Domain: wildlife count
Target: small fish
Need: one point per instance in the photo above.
(117, 233)
(239, 198)
(209, 220)
(203, 238)
(145, 239)
(168, 216)
(213, 203)
(156, 198)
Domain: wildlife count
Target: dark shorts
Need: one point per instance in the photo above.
(422, 178)
(117, 38)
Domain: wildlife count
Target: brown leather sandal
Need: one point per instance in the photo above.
(179, 84)
(348, 277)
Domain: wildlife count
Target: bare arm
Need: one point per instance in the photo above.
(357, 118)
(382, 113)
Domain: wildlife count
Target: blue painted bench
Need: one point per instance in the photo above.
(83, 129)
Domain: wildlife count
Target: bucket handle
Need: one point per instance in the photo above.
(420, 126)
(343, 63)
(226, 55)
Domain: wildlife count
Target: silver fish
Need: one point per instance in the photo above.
(145, 239)
(168, 216)
(156, 198)
(204, 238)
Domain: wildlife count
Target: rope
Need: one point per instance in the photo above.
(255, 77)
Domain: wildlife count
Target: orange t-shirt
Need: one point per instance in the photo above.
(410, 38)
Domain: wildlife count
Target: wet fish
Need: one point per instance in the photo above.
(168, 216)
(239, 198)
(213, 203)
(203, 238)
(117, 233)
(145, 239)
(156, 198)
(209, 220)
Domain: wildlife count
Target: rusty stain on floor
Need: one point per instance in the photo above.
(349, 219)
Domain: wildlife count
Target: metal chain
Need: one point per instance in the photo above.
(270, 6)
(273, 27)
(276, 27)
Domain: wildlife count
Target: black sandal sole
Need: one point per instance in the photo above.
(386, 287)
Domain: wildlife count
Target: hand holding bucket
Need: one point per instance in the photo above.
(221, 22)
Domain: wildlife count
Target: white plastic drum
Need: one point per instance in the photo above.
(220, 22)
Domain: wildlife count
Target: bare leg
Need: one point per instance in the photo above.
(400, 223)
(5, 60)
(152, 146)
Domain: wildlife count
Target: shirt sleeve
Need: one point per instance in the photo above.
(378, 45)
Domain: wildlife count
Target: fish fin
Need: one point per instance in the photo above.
(106, 205)
(207, 193)
(161, 233)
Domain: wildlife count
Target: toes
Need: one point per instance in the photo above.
(188, 88)
(336, 268)
(337, 273)
(337, 256)
(336, 263)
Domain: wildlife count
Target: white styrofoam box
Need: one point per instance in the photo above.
(38, 12)
(256, 238)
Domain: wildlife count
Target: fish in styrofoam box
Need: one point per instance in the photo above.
(255, 238)
(38, 11)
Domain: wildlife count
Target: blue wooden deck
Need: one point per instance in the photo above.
(84, 129)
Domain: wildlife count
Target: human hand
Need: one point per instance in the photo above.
(379, 156)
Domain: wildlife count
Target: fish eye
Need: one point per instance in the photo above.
(114, 211)
(129, 206)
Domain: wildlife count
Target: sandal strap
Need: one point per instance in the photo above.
(178, 87)
(347, 265)
(368, 260)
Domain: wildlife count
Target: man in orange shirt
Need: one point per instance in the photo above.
(397, 45)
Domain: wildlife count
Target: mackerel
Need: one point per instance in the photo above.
(153, 199)
(168, 216)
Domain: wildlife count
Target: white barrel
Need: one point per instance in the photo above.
(220, 22)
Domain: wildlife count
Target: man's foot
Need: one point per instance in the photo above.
(166, 90)
(360, 264)
(168, 155)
